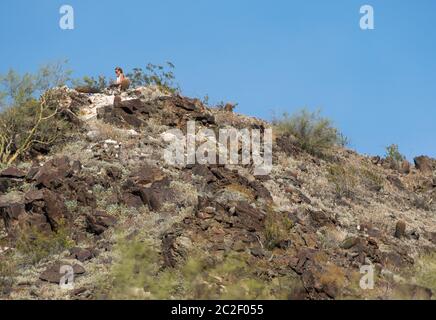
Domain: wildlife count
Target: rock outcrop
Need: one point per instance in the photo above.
(112, 182)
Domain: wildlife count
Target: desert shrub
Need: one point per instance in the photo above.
(393, 154)
(107, 131)
(34, 245)
(425, 271)
(71, 205)
(371, 179)
(313, 133)
(28, 122)
(277, 229)
(343, 178)
(161, 76)
(7, 274)
(91, 84)
(138, 273)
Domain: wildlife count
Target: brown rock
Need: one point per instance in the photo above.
(99, 222)
(43, 210)
(248, 217)
(175, 248)
(4, 185)
(396, 182)
(114, 173)
(12, 173)
(132, 200)
(432, 237)
(424, 164)
(82, 254)
(12, 210)
(55, 209)
(404, 167)
(147, 174)
(52, 173)
(131, 112)
(155, 197)
(400, 229)
(319, 219)
(229, 107)
(203, 171)
(376, 160)
(53, 275)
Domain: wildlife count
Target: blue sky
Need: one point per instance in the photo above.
(378, 86)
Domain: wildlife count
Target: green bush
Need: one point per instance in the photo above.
(27, 120)
(91, 84)
(313, 133)
(343, 178)
(277, 229)
(425, 271)
(138, 273)
(393, 154)
(161, 76)
(35, 245)
(7, 274)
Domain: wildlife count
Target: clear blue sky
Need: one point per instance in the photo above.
(378, 86)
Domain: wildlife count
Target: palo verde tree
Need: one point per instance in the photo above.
(29, 110)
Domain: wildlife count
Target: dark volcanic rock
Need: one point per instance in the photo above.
(155, 196)
(147, 174)
(99, 222)
(53, 273)
(82, 254)
(248, 217)
(424, 164)
(13, 173)
(131, 112)
(53, 172)
(42, 210)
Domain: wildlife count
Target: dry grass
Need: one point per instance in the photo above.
(109, 132)
(277, 229)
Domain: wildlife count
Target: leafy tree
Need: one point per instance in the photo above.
(28, 120)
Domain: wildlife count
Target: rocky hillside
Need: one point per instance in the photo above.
(132, 226)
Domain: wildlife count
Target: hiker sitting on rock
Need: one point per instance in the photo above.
(122, 82)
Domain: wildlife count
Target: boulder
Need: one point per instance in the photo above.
(175, 248)
(42, 210)
(147, 174)
(248, 218)
(431, 236)
(99, 222)
(400, 229)
(135, 195)
(129, 112)
(424, 164)
(12, 210)
(12, 173)
(82, 254)
(114, 173)
(155, 197)
(49, 204)
(53, 273)
(53, 172)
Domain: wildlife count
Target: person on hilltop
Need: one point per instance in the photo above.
(122, 82)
